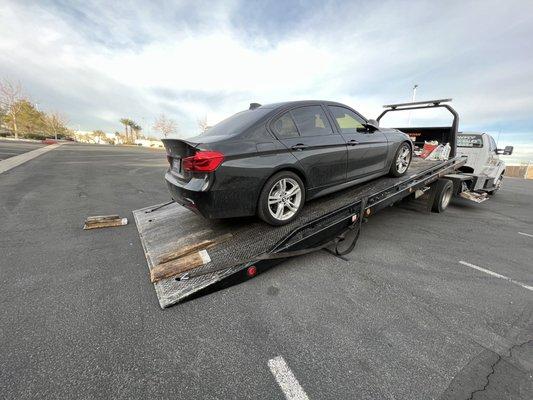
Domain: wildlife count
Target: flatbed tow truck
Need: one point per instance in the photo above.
(210, 255)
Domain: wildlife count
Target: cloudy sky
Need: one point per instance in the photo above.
(98, 61)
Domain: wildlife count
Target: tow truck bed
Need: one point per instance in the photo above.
(250, 242)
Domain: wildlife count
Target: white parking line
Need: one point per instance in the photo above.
(487, 271)
(286, 379)
(12, 162)
(525, 234)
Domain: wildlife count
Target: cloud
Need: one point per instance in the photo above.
(99, 61)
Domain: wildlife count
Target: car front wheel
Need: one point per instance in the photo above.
(402, 160)
(281, 199)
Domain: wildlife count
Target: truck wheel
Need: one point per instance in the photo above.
(497, 185)
(402, 160)
(281, 199)
(443, 195)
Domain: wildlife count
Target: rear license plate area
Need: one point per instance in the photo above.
(176, 165)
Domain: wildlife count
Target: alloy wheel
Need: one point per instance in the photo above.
(403, 159)
(284, 199)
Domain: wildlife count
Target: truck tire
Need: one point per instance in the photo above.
(443, 195)
(281, 199)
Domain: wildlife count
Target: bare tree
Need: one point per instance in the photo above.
(100, 137)
(10, 97)
(56, 122)
(164, 125)
(202, 124)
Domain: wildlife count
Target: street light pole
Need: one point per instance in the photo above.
(412, 101)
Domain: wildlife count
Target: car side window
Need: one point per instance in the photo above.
(311, 121)
(347, 120)
(284, 127)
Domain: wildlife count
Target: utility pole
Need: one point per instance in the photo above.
(412, 101)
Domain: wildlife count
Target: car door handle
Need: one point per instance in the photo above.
(352, 142)
(299, 147)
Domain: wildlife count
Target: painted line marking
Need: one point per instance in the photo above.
(525, 234)
(286, 379)
(12, 162)
(487, 271)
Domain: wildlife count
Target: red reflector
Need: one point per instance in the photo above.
(203, 161)
(251, 271)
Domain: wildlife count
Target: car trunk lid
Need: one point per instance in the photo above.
(177, 150)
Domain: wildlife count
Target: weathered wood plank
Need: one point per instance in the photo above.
(105, 224)
(100, 218)
(204, 244)
(175, 267)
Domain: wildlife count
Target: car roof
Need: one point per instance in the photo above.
(288, 104)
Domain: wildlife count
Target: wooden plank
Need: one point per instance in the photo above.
(204, 244)
(100, 218)
(105, 224)
(175, 267)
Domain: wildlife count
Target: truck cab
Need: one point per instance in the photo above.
(484, 164)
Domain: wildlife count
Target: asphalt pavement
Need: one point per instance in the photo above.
(10, 148)
(402, 318)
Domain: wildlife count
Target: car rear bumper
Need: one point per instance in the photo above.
(204, 198)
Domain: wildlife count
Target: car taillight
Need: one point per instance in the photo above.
(203, 161)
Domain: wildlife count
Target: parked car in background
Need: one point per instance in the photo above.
(484, 163)
(270, 159)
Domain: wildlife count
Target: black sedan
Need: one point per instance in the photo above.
(270, 159)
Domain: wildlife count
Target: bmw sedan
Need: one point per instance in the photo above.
(270, 159)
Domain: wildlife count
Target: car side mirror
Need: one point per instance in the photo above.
(506, 152)
(372, 125)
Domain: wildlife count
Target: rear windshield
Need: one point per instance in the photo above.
(469, 141)
(237, 122)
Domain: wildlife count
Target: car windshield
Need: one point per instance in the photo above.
(237, 122)
(469, 141)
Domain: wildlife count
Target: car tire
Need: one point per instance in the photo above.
(276, 204)
(443, 195)
(402, 160)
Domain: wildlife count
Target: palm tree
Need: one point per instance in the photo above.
(133, 129)
(125, 122)
(136, 129)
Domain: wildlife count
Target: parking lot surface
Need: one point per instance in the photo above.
(10, 148)
(405, 317)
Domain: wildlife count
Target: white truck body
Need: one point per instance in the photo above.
(484, 161)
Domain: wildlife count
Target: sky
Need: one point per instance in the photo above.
(99, 61)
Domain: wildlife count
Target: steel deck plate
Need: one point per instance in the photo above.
(172, 227)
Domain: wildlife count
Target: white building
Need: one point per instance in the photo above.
(149, 143)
